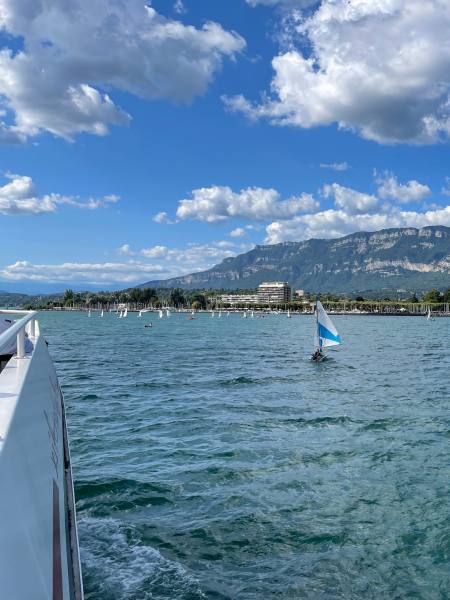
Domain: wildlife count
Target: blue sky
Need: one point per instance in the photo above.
(141, 142)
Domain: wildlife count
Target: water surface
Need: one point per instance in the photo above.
(213, 460)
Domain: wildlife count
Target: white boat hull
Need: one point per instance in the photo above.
(39, 557)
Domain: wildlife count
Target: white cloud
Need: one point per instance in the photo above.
(238, 232)
(390, 188)
(158, 262)
(20, 196)
(163, 217)
(343, 166)
(89, 273)
(335, 223)
(352, 201)
(282, 3)
(381, 68)
(125, 250)
(74, 51)
(179, 7)
(194, 257)
(218, 203)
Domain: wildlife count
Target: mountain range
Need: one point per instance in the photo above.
(390, 259)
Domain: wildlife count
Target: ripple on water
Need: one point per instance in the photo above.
(212, 459)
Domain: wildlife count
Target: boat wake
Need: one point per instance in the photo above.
(118, 566)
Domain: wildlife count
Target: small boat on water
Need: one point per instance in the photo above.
(429, 315)
(326, 334)
(160, 312)
(101, 314)
(89, 313)
(288, 313)
(140, 314)
(38, 533)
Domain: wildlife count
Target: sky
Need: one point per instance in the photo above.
(142, 140)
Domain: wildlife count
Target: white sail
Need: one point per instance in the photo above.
(125, 314)
(428, 314)
(101, 314)
(89, 313)
(228, 313)
(160, 312)
(120, 315)
(288, 314)
(252, 315)
(140, 313)
(245, 315)
(326, 333)
(212, 313)
(220, 315)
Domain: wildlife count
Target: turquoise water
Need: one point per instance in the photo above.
(212, 459)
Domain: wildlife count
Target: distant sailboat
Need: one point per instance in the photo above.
(220, 314)
(212, 313)
(228, 313)
(288, 314)
(252, 314)
(89, 313)
(326, 334)
(245, 315)
(160, 312)
(101, 314)
(140, 313)
(120, 315)
(125, 314)
(429, 315)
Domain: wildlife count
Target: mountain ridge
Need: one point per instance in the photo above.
(408, 257)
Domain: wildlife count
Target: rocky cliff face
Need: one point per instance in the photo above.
(415, 259)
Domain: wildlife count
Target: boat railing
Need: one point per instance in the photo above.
(26, 324)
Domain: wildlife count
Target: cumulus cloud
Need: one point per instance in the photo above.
(125, 250)
(163, 217)
(89, 273)
(155, 262)
(379, 68)
(282, 3)
(336, 223)
(194, 257)
(218, 203)
(19, 196)
(352, 201)
(412, 191)
(75, 54)
(238, 232)
(343, 166)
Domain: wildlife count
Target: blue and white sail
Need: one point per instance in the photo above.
(326, 333)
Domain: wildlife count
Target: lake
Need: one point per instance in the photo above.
(212, 459)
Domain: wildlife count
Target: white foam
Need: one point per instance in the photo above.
(119, 566)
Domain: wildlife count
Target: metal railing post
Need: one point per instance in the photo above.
(21, 343)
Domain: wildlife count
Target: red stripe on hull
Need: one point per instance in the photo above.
(57, 569)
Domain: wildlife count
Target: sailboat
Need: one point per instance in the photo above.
(89, 313)
(125, 314)
(101, 314)
(120, 315)
(167, 313)
(212, 313)
(245, 315)
(288, 313)
(140, 313)
(160, 312)
(429, 316)
(252, 314)
(220, 314)
(326, 334)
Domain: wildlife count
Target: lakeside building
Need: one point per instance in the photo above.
(274, 292)
(238, 299)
